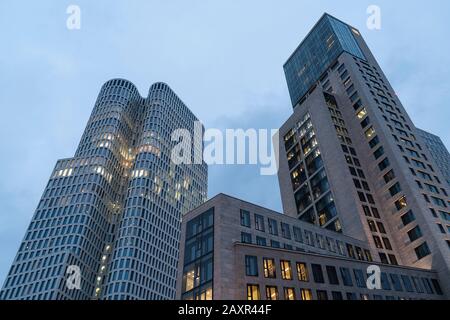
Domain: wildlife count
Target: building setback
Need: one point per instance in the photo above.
(232, 249)
(438, 151)
(114, 209)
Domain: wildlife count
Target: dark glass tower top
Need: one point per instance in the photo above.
(321, 47)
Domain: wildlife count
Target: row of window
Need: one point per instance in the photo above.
(298, 235)
(346, 276)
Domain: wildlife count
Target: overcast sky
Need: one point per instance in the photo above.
(223, 58)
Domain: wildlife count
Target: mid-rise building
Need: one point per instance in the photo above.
(232, 249)
(113, 211)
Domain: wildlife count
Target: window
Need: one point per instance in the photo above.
(383, 258)
(274, 244)
(414, 234)
(417, 284)
(422, 251)
(273, 227)
(381, 227)
(246, 237)
(377, 241)
(302, 272)
(317, 273)
(259, 223)
(396, 282)
(269, 268)
(364, 296)
(375, 212)
(253, 292)
(389, 176)
(260, 241)
(285, 230)
(407, 283)
(438, 202)
(306, 294)
(408, 217)
(372, 225)
(245, 218)
(351, 296)
(374, 142)
(251, 266)
(395, 189)
(298, 234)
(271, 293)
(387, 243)
(385, 282)
(286, 270)
(401, 203)
(362, 113)
(332, 275)
(289, 294)
(427, 285)
(337, 295)
(322, 295)
(436, 286)
(350, 251)
(359, 277)
(384, 164)
(369, 133)
(346, 277)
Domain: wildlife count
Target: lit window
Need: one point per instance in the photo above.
(361, 114)
(271, 293)
(269, 268)
(286, 270)
(302, 272)
(289, 294)
(370, 132)
(306, 294)
(253, 292)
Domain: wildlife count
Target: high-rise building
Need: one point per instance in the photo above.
(438, 151)
(113, 211)
(359, 190)
(351, 159)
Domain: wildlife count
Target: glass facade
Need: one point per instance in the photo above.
(308, 177)
(114, 209)
(323, 45)
(198, 258)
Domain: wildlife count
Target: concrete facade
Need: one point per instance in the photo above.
(399, 177)
(331, 251)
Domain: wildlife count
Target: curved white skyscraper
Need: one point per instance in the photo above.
(113, 211)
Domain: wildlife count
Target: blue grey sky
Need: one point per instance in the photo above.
(223, 58)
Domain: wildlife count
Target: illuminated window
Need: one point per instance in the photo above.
(361, 114)
(289, 294)
(192, 278)
(370, 133)
(271, 293)
(204, 295)
(286, 270)
(269, 268)
(306, 294)
(253, 292)
(302, 271)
